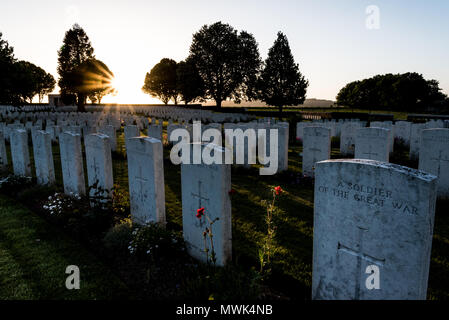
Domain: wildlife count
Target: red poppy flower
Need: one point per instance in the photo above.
(199, 213)
(231, 192)
(278, 190)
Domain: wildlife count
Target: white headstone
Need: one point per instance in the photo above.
(131, 131)
(373, 225)
(316, 147)
(155, 131)
(146, 180)
(20, 153)
(386, 125)
(402, 131)
(207, 186)
(72, 163)
(415, 139)
(99, 164)
(43, 157)
(434, 157)
(373, 143)
(347, 138)
(109, 130)
(3, 154)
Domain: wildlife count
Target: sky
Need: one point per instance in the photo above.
(334, 42)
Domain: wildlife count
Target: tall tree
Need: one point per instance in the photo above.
(92, 79)
(75, 50)
(189, 82)
(45, 84)
(397, 92)
(281, 83)
(6, 68)
(227, 62)
(161, 81)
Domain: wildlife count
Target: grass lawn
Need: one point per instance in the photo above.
(397, 115)
(34, 256)
(33, 270)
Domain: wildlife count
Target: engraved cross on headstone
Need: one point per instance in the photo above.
(199, 195)
(361, 255)
(440, 159)
(141, 180)
(314, 150)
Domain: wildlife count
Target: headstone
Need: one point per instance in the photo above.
(207, 186)
(72, 163)
(372, 143)
(43, 157)
(155, 131)
(130, 131)
(434, 157)
(386, 125)
(415, 139)
(402, 131)
(3, 154)
(109, 130)
(316, 147)
(373, 225)
(146, 180)
(99, 164)
(20, 153)
(347, 138)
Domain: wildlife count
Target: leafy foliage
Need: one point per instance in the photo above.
(21, 81)
(75, 50)
(227, 62)
(161, 81)
(395, 92)
(189, 84)
(92, 79)
(281, 83)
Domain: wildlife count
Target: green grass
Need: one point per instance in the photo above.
(397, 115)
(292, 264)
(34, 256)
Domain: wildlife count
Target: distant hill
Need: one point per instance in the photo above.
(309, 103)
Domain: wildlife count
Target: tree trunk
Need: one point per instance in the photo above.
(280, 112)
(218, 102)
(81, 103)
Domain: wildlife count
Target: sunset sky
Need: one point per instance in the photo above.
(329, 39)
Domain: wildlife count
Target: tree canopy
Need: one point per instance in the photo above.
(92, 79)
(189, 82)
(281, 83)
(21, 81)
(395, 92)
(75, 50)
(227, 62)
(161, 81)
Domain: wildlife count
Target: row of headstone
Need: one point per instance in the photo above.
(204, 186)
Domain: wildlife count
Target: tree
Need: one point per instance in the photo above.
(92, 79)
(29, 80)
(7, 61)
(76, 49)
(45, 84)
(281, 83)
(395, 92)
(161, 81)
(227, 62)
(189, 83)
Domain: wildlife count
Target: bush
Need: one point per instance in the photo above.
(152, 242)
(12, 185)
(117, 239)
(82, 216)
